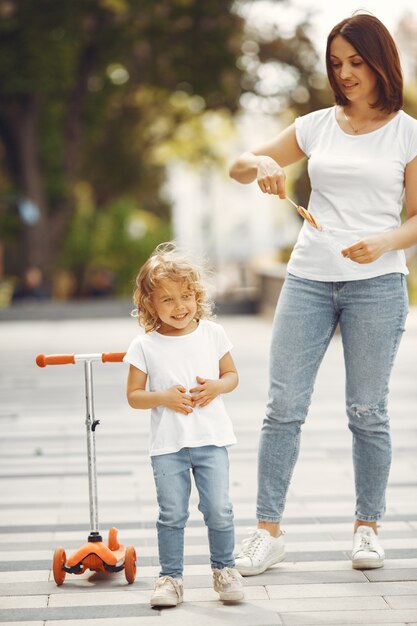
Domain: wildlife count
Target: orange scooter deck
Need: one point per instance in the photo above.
(94, 555)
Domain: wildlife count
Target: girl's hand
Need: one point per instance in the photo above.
(175, 398)
(270, 177)
(367, 250)
(206, 391)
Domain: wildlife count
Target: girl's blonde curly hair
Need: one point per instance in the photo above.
(167, 262)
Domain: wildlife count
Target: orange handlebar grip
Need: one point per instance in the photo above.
(112, 357)
(54, 359)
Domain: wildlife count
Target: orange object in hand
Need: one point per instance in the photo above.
(306, 215)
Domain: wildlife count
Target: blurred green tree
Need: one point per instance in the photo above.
(80, 83)
(96, 96)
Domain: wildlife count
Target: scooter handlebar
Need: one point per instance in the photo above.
(54, 359)
(112, 357)
(63, 359)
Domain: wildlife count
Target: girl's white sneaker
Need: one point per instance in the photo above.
(228, 584)
(168, 591)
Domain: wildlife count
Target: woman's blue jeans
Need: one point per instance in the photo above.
(371, 315)
(172, 474)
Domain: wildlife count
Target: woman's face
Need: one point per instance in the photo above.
(355, 78)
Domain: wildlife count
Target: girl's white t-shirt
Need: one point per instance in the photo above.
(357, 184)
(178, 360)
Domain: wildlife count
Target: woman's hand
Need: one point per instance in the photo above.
(367, 250)
(270, 176)
(206, 391)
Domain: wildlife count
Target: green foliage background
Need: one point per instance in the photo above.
(98, 97)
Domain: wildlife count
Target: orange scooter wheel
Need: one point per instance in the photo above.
(130, 564)
(58, 565)
(112, 542)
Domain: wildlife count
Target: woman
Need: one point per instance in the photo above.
(362, 157)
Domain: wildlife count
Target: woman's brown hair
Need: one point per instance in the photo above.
(373, 42)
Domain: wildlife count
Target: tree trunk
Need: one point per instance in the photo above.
(43, 237)
(23, 121)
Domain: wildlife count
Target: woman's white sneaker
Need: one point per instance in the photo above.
(168, 591)
(367, 552)
(259, 551)
(228, 584)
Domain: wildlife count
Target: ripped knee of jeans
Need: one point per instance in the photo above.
(368, 415)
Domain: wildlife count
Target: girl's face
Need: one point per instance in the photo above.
(355, 78)
(175, 305)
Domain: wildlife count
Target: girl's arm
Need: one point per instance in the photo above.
(209, 389)
(228, 376)
(138, 397)
(264, 164)
(371, 248)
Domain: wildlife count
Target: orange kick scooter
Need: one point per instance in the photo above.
(93, 555)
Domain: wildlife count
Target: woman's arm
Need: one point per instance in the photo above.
(406, 235)
(371, 248)
(266, 162)
(174, 398)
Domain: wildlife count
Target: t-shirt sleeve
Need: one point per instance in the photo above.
(224, 344)
(412, 145)
(309, 127)
(135, 355)
(302, 128)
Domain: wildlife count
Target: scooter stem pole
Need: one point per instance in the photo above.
(91, 446)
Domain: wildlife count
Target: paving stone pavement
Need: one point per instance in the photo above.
(44, 491)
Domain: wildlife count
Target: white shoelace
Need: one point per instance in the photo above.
(366, 544)
(252, 545)
(167, 579)
(227, 575)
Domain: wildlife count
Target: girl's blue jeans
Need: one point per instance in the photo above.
(371, 315)
(172, 473)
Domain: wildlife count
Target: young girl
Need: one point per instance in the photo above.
(184, 357)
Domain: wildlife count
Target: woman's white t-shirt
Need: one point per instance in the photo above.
(178, 360)
(357, 186)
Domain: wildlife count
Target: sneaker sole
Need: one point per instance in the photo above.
(254, 571)
(367, 564)
(232, 597)
(164, 602)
